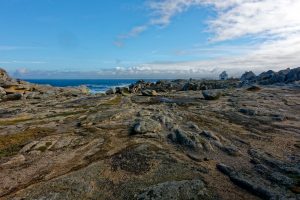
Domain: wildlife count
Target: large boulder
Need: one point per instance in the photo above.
(12, 97)
(293, 75)
(122, 90)
(4, 76)
(110, 91)
(211, 94)
(190, 86)
(268, 77)
(282, 75)
(223, 75)
(248, 77)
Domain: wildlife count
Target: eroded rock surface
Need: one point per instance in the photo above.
(58, 144)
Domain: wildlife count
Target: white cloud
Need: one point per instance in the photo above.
(134, 32)
(236, 18)
(262, 18)
(274, 23)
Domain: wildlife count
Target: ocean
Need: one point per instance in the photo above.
(95, 85)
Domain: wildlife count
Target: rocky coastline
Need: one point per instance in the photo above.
(172, 139)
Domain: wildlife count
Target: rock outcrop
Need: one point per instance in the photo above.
(223, 76)
(271, 77)
(11, 89)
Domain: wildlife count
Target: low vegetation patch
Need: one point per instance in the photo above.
(114, 101)
(14, 121)
(12, 144)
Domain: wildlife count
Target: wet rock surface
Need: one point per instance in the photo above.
(58, 143)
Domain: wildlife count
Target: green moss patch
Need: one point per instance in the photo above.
(14, 121)
(113, 102)
(12, 144)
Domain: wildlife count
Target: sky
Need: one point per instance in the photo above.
(147, 38)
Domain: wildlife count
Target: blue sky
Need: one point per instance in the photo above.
(146, 38)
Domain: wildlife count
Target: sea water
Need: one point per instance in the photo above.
(95, 85)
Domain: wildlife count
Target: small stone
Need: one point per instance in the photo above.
(278, 117)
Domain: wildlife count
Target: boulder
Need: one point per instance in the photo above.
(211, 94)
(182, 138)
(147, 126)
(223, 75)
(12, 97)
(135, 88)
(248, 77)
(149, 93)
(283, 76)
(268, 77)
(2, 92)
(32, 95)
(4, 76)
(110, 91)
(293, 75)
(123, 90)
